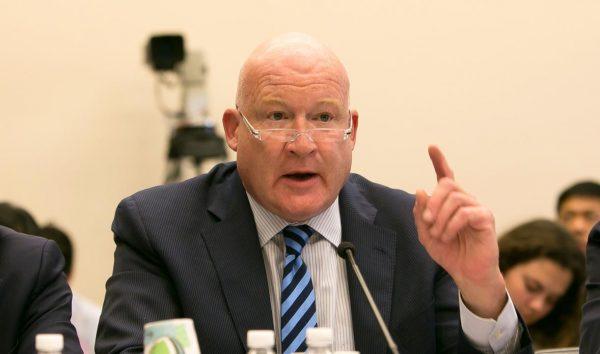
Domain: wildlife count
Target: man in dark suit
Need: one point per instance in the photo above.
(34, 295)
(590, 323)
(252, 244)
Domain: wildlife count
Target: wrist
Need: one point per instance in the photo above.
(485, 299)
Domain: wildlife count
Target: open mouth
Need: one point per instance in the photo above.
(300, 176)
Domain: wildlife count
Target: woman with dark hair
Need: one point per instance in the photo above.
(544, 274)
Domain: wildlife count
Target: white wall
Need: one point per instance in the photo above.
(509, 89)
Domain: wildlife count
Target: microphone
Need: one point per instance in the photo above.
(346, 250)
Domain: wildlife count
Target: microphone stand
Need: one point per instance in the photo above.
(346, 251)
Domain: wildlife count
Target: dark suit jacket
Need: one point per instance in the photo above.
(590, 323)
(192, 250)
(34, 295)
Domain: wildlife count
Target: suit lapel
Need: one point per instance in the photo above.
(375, 256)
(235, 250)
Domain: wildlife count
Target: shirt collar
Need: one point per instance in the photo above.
(328, 223)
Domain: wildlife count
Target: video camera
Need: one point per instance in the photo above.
(193, 134)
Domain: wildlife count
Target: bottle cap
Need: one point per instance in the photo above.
(258, 339)
(49, 342)
(319, 337)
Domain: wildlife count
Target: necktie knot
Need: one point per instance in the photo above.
(296, 238)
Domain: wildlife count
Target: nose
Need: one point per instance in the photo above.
(538, 304)
(579, 224)
(303, 145)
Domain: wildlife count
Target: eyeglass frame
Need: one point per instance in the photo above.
(256, 132)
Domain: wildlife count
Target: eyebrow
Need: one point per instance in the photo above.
(549, 294)
(273, 101)
(534, 281)
(329, 101)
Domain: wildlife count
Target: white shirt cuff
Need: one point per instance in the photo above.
(487, 332)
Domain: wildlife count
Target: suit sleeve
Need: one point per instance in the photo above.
(590, 324)
(449, 328)
(139, 290)
(49, 308)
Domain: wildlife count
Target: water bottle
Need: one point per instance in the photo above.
(319, 340)
(261, 342)
(49, 343)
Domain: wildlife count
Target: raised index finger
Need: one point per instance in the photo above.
(439, 163)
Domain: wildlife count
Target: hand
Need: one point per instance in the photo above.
(459, 234)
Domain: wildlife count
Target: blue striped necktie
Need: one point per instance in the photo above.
(298, 309)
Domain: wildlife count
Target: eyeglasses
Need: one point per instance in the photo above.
(287, 135)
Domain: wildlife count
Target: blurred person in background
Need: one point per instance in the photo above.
(544, 273)
(578, 209)
(35, 296)
(17, 219)
(86, 314)
(590, 324)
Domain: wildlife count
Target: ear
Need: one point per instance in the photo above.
(354, 118)
(231, 123)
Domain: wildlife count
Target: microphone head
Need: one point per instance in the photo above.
(343, 247)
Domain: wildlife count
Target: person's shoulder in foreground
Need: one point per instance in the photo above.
(590, 325)
(35, 295)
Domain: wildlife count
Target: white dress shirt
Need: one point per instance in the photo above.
(330, 283)
(85, 316)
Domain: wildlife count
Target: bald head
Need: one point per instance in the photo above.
(289, 54)
(292, 82)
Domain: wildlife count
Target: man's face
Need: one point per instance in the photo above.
(295, 180)
(579, 214)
